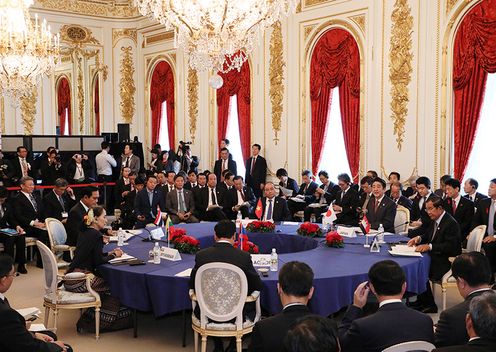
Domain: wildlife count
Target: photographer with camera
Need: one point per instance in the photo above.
(53, 169)
(78, 169)
(5, 171)
(188, 161)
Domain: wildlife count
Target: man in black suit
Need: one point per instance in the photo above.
(418, 216)
(7, 220)
(239, 198)
(14, 336)
(286, 182)
(441, 240)
(397, 197)
(480, 324)
(228, 182)
(441, 191)
(211, 201)
(394, 177)
(473, 276)
(462, 209)
(224, 163)
(346, 203)
(223, 251)
(393, 323)
(256, 170)
(147, 201)
(470, 188)
(21, 166)
(295, 289)
(486, 215)
(273, 208)
(179, 203)
(58, 202)
(74, 224)
(365, 193)
(192, 180)
(128, 216)
(381, 209)
(305, 195)
(324, 196)
(53, 169)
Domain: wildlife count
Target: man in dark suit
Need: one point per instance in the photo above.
(273, 208)
(473, 276)
(346, 202)
(192, 180)
(224, 163)
(211, 201)
(20, 165)
(470, 188)
(169, 183)
(394, 177)
(365, 193)
(295, 289)
(223, 251)
(74, 224)
(480, 324)
(228, 182)
(147, 201)
(53, 169)
(128, 216)
(239, 198)
(128, 159)
(441, 192)
(397, 197)
(78, 169)
(58, 202)
(462, 209)
(381, 209)
(441, 240)
(419, 218)
(486, 215)
(286, 182)
(5, 171)
(393, 323)
(256, 170)
(14, 336)
(179, 203)
(305, 195)
(7, 220)
(324, 196)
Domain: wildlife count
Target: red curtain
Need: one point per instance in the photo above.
(336, 63)
(96, 106)
(474, 58)
(162, 89)
(235, 83)
(64, 102)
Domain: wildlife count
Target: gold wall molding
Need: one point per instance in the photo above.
(80, 94)
(158, 38)
(98, 8)
(28, 111)
(192, 102)
(309, 3)
(360, 21)
(400, 66)
(127, 87)
(77, 35)
(449, 5)
(2, 112)
(276, 77)
(307, 30)
(118, 34)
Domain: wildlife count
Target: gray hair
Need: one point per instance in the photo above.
(61, 182)
(25, 179)
(483, 314)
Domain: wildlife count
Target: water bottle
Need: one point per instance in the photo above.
(239, 219)
(274, 261)
(380, 234)
(156, 254)
(120, 238)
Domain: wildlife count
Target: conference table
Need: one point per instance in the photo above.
(156, 288)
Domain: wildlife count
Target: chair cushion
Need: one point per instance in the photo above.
(75, 276)
(30, 241)
(66, 297)
(61, 247)
(221, 326)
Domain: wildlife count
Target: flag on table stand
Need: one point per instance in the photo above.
(158, 219)
(243, 238)
(259, 209)
(330, 216)
(365, 225)
(168, 223)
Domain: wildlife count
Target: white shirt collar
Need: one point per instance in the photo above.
(388, 301)
(438, 221)
(2, 297)
(380, 199)
(457, 199)
(28, 195)
(223, 241)
(474, 338)
(84, 206)
(480, 290)
(293, 304)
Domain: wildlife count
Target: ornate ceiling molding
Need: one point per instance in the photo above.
(118, 34)
(99, 8)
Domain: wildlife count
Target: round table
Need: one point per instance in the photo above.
(154, 287)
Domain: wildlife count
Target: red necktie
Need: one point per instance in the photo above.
(376, 205)
(253, 160)
(454, 206)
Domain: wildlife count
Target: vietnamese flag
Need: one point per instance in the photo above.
(259, 209)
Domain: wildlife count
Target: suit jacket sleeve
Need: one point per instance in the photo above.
(444, 330)
(19, 209)
(138, 204)
(451, 244)
(170, 203)
(349, 332)
(256, 344)
(388, 220)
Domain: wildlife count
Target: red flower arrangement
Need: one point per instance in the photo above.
(309, 229)
(333, 239)
(261, 226)
(248, 246)
(182, 242)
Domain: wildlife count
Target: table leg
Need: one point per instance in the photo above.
(135, 323)
(184, 327)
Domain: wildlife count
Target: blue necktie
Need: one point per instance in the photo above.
(269, 211)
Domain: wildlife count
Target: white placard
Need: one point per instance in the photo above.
(346, 231)
(260, 259)
(157, 233)
(171, 254)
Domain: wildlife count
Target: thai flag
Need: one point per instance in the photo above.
(158, 219)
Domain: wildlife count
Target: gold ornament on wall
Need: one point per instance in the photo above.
(315, 2)
(360, 21)
(28, 111)
(118, 34)
(192, 102)
(276, 77)
(80, 94)
(111, 9)
(449, 5)
(400, 66)
(78, 36)
(126, 85)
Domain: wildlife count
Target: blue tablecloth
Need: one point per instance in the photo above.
(337, 271)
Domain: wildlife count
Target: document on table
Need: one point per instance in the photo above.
(297, 200)
(184, 273)
(404, 251)
(286, 192)
(127, 236)
(124, 258)
(37, 327)
(29, 312)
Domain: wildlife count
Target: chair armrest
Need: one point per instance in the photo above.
(253, 296)
(192, 295)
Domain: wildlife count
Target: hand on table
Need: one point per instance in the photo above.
(43, 337)
(423, 248)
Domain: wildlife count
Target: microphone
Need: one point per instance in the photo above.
(404, 223)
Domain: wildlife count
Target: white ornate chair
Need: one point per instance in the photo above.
(402, 219)
(221, 293)
(411, 346)
(57, 236)
(58, 298)
(474, 244)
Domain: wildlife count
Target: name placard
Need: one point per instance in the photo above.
(346, 231)
(171, 254)
(260, 259)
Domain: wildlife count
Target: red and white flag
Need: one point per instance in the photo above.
(330, 216)
(158, 218)
(365, 225)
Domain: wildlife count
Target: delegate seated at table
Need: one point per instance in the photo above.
(179, 203)
(381, 209)
(273, 208)
(147, 201)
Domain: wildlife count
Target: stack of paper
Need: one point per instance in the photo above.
(127, 236)
(37, 328)
(29, 312)
(124, 258)
(403, 250)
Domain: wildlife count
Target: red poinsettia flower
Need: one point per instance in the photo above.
(334, 239)
(309, 229)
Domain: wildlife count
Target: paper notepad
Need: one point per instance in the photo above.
(29, 312)
(37, 327)
(184, 273)
(404, 251)
(124, 258)
(286, 191)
